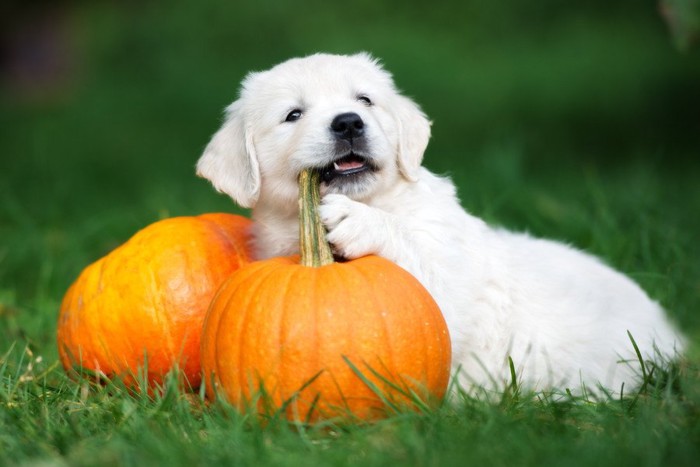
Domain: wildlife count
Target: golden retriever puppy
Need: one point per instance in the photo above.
(561, 315)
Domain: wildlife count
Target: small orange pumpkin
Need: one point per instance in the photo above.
(323, 339)
(143, 304)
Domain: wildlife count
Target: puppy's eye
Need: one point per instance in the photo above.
(364, 99)
(293, 116)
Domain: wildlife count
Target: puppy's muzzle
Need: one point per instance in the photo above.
(348, 126)
(351, 158)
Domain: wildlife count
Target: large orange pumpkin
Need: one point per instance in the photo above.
(143, 305)
(324, 339)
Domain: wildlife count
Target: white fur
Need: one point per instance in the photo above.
(560, 314)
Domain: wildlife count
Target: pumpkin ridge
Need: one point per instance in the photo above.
(384, 310)
(102, 356)
(257, 277)
(408, 291)
(225, 233)
(321, 320)
(161, 308)
(433, 320)
(292, 276)
(335, 278)
(317, 339)
(217, 338)
(205, 353)
(235, 281)
(427, 368)
(213, 321)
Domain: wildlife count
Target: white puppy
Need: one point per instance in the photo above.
(561, 315)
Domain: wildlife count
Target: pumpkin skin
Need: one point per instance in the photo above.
(280, 324)
(146, 300)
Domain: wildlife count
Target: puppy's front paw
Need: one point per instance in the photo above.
(354, 229)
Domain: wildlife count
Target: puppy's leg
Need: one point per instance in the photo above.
(356, 229)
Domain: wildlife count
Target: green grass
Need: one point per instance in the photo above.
(48, 417)
(574, 122)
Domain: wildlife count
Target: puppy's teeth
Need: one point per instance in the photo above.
(336, 166)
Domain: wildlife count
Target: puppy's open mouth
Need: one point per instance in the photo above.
(346, 166)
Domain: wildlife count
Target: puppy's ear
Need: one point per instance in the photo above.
(414, 133)
(229, 161)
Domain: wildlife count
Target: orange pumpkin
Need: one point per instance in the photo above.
(323, 339)
(143, 304)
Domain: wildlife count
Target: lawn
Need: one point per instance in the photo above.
(575, 122)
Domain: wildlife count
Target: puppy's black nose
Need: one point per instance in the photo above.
(348, 126)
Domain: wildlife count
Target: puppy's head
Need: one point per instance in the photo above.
(341, 115)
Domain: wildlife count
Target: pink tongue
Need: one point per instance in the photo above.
(348, 165)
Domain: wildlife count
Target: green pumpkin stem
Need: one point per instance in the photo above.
(315, 250)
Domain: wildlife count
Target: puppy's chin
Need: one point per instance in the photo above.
(356, 186)
(353, 175)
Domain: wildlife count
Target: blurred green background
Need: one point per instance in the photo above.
(576, 120)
